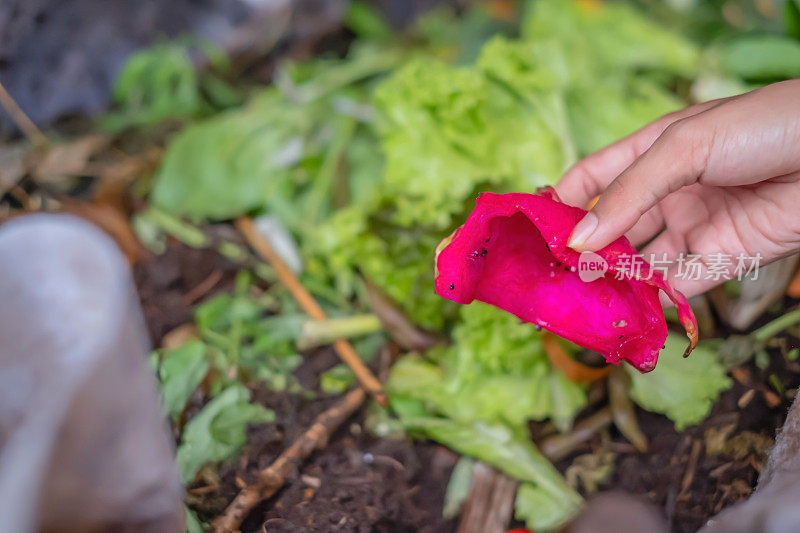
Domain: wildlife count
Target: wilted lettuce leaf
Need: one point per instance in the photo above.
(366, 21)
(280, 152)
(607, 94)
(682, 389)
(156, 83)
(603, 111)
(395, 258)
(447, 130)
(236, 161)
(603, 36)
(763, 57)
(259, 347)
(161, 82)
(548, 501)
(180, 371)
(337, 379)
(496, 370)
(540, 509)
(217, 432)
(193, 524)
(458, 488)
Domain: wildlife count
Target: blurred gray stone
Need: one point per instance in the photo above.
(84, 445)
(616, 512)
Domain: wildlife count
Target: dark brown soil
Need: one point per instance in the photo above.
(357, 483)
(686, 474)
(166, 282)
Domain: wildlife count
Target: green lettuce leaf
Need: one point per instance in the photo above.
(682, 389)
(458, 488)
(598, 37)
(604, 111)
(217, 432)
(236, 161)
(448, 132)
(180, 371)
(547, 503)
(541, 509)
(763, 57)
(495, 371)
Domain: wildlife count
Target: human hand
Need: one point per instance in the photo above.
(719, 177)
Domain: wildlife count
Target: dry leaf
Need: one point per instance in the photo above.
(68, 159)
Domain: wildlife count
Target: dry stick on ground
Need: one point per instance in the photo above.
(622, 410)
(311, 307)
(558, 447)
(491, 501)
(27, 126)
(271, 479)
(691, 467)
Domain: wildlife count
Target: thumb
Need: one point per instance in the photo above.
(676, 159)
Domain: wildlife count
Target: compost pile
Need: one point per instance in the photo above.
(354, 164)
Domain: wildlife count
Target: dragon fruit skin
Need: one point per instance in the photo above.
(511, 253)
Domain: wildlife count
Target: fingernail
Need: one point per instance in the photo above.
(582, 231)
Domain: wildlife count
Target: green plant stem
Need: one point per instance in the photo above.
(323, 184)
(318, 332)
(767, 331)
(183, 231)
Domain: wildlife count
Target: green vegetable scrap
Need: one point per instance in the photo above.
(161, 83)
(180, 371)
(763, 58)
(496, 370)
(246, 342)
(544, 500)
(237, 161)
(449, 131)
(217, 432)
(281, 152)
(684, 389)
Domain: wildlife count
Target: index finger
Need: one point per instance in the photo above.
(590, 176)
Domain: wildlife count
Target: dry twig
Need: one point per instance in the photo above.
(557, 447)
(691, 468)
(311, 307)
(622, 409)
(271, 479)
(491, 501)
(19, 117)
